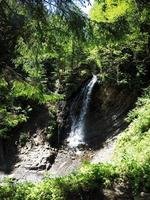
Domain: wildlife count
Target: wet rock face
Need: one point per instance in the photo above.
(2, 159)
(143, 196)
(104, 119)
(107, 111)
(33, 160)
(27, 159)
(108, 107)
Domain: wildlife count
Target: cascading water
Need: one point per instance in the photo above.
(76, 136)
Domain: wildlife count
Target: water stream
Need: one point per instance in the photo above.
(77, 133)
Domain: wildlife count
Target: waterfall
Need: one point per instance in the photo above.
(76, 135)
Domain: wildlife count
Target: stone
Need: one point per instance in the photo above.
(29, 145)
(144, 194)
(17, 165)
(48, 166)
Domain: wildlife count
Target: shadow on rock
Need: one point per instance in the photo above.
(10, 147)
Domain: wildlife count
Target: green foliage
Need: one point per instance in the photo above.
(12, 110)
(46, 55)
(109, 10)
(10, 119)
(10, 113)
(50, 52)
(121, 37)
(88, 178)
(133, 152)
(52, 128)
(28, 91)
(31, 35)
(11, 191)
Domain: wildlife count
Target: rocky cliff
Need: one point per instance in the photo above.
(104, 121)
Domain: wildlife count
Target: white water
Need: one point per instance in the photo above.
(76, 136)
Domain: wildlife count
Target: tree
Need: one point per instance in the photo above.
(31, 34)
(121, 30)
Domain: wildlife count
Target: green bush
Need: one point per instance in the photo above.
(132, 154)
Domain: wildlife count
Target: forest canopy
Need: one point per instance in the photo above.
(46, 44)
